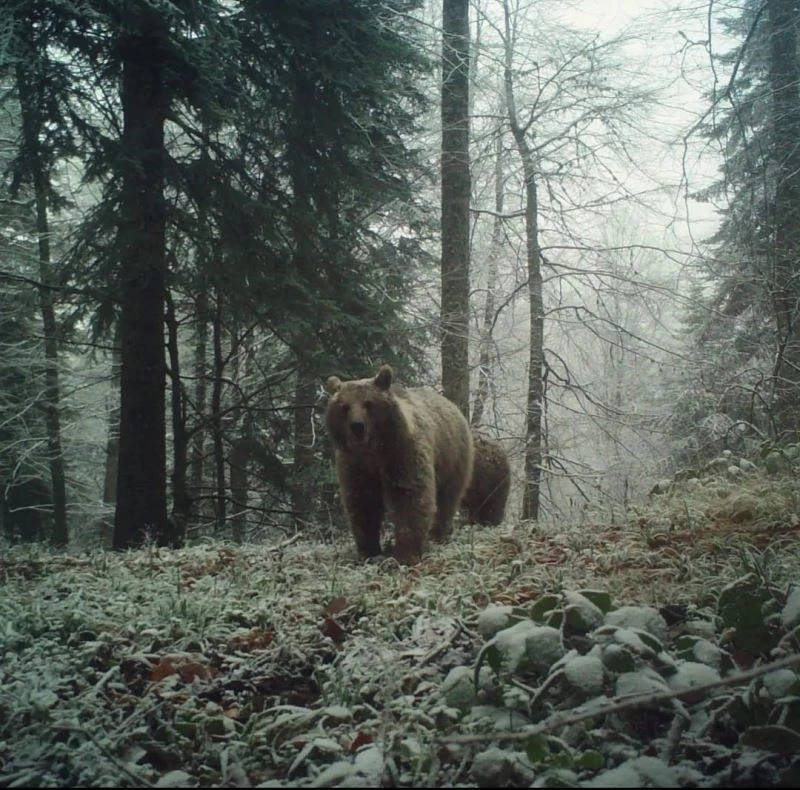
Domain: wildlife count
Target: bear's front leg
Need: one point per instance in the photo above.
(363, 502)
(414, 511)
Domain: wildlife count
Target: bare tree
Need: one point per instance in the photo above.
(571, 118)
(485, 335)
(535, 400)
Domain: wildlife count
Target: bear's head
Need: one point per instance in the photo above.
(361, 413)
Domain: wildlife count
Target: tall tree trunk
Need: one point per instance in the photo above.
(239, 457)
(141, 485)
(111, 470)
(197, 453)
(216, 417)
(240, 432)
(206, 252)
(27, 81)
(303, 486)
(112, 435)
(455, 202)
(486, 339)
(784, 77)
(181, 500)
(304, 235)
(535, 404)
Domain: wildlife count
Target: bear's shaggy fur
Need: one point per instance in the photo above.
(485, 499)
(405, 451)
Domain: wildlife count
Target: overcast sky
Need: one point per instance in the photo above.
(671, 46)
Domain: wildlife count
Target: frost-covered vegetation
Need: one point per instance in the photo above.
(596, 655)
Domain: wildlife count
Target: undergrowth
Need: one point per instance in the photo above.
(660, 651)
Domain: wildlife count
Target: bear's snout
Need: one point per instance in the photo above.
(359, 430)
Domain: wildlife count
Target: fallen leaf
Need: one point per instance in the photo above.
(362, 738)
(336, 605)
(163, 669)
(333, 630)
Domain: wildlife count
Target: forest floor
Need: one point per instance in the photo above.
(660, 651)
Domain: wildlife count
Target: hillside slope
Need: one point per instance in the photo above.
(590, 655)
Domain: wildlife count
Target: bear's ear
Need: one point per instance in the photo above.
(332, 385)
(384, 378)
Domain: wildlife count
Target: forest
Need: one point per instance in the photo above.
(577, 221)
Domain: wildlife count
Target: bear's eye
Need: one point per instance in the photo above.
(345, 408)
(368, 404)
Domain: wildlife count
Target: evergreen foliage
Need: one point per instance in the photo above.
(292, 240)
(747, 317)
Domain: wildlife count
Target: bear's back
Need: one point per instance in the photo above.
(439, 421)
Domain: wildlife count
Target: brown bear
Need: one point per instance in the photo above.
(485, 499)
(405, 451)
